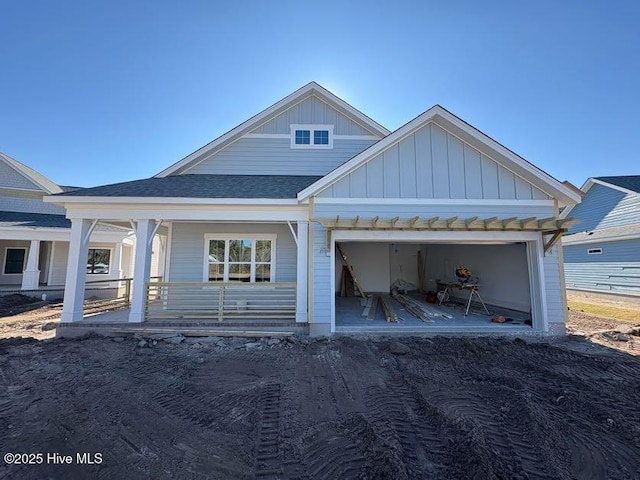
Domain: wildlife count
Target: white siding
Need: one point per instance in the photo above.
(187, 248)
(10, 178)
(312, 110)
(28, 205)
(432, 163)
(274, 156)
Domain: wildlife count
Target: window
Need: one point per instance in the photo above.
(239, 258)
(594, 251)
(321, 137)
(14, 260)
(303, 137)
(311, 136)
(98, 261)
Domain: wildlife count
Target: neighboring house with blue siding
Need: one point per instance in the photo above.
(34, 236)
(254, 218)
(602, 252)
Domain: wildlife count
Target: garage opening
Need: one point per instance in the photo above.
(432, 286)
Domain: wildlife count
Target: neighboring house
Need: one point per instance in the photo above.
(267, 202)
(34, 236)
(602, 252)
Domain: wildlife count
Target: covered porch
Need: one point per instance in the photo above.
(220, 271)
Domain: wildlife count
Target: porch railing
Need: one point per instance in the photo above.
(123, 286)
(220, 301)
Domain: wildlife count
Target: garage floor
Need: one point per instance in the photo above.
(349, 319)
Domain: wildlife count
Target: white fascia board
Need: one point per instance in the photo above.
(193, 212)
(69, 200)
(467, 134)
(431, 201)
(264, 116)
(611, 185)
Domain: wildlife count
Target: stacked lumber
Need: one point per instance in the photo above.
(370, 307)
(413, 307)
(389, 312)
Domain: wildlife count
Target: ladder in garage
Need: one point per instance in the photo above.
(350, 269)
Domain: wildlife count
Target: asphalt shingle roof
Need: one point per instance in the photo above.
(20, 219)
(204, 186)
(630, 182)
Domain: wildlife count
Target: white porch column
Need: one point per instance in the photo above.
(31, 274)
(145, 230)
(301, 275)
(76, 270)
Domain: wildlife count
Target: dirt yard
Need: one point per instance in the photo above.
(340, 408)
(448, 408)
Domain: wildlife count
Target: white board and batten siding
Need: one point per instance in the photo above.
(432, 163)
(188, 247)
(266, 150)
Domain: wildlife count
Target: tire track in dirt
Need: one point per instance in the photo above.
(268, 455)
(423, 449)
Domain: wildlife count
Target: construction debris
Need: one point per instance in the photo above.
(389, 312)
(374, 309)
(350, 270)
(368, 303)
(418, 309)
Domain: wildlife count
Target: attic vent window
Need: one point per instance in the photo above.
(311, 136)
(594, 251)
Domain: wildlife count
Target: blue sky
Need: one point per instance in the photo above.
(103, 91)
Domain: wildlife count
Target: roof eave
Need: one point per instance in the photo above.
(62, 200)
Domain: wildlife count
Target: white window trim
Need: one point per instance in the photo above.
(110, 259)
(594, 251)
(312, 128)
(239, 236)
(24, 260)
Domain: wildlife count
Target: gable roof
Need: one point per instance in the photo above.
(203, 186)
(469, 134)
(277, 108)
(40, 180)
(629, 184)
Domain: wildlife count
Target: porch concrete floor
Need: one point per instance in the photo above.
(349, 319)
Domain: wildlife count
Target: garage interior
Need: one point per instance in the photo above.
(422, 273)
